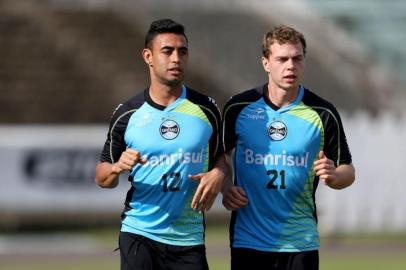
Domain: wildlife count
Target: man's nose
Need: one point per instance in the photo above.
(175, 57)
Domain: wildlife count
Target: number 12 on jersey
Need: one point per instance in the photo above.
(174, 179)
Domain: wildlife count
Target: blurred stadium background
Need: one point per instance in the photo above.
(66, 64)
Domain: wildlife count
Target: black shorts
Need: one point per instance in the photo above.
(140, 253)
(245, 258)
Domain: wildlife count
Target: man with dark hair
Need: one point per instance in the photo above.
(161, 27)
(286, 139)
(167, 137)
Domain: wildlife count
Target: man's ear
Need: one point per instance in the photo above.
(147, 56)
(265, 63)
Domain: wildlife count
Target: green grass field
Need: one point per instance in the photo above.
(372, 252)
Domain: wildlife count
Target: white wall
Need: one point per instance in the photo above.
(376, 201)
(50, 169)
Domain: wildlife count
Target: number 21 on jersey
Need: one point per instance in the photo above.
(274, 175)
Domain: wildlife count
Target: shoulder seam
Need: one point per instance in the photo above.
(224, 118)
(111, 132)
(217, 125)
(338, 131)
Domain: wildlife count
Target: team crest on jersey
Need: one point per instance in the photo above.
(277, 131)
(169, 129)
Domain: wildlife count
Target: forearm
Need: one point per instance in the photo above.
(228, 179)
(107, 175)
(210, 184)
(221, 167)
(345, 176)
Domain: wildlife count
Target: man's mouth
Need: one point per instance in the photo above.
(290, 77)
(175, 71)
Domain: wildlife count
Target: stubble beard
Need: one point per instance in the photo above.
(174, 82)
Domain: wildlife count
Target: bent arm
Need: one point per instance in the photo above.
(338, 177)
(228, 179)
(107, 175)
(344, 177)
(234, 197)
(210, 184)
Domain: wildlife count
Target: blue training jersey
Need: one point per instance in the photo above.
(273, 162)
(177, 140)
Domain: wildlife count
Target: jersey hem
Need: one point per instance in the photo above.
(125, 228)
(278, 249)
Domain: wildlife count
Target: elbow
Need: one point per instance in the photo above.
(344, 184)
(106, 184)
(351, 182)
(345, 177)
(100, 183)
(352, 175)
(349, 177)
(103, 177)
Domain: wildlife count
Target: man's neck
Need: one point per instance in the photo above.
(164, 95)
(282, 97)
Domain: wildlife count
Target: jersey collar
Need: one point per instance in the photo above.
(277, 108)
(157, 106)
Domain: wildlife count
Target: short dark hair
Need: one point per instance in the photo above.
(163, 26)
(282, 34)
